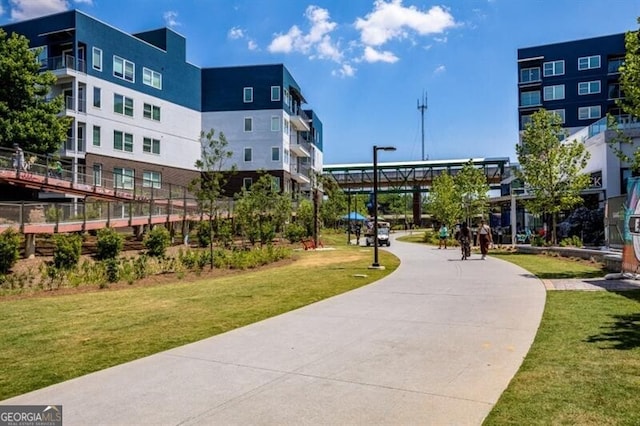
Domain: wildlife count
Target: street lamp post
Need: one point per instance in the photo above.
(376, 264)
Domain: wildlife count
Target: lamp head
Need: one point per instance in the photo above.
(386, 148)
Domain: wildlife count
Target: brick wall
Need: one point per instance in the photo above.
(169, 175)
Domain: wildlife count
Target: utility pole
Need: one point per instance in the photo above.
(423, 107)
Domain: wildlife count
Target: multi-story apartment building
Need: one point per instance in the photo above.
(579, 80)
(260, 107)
(138, 107)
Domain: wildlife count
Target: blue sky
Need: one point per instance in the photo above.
(363, 64)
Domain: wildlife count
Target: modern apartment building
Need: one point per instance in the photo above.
(579, 80)
(260, 111)
(138, 107)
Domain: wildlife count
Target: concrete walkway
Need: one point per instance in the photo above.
(434, 343)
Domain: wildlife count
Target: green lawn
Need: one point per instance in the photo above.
(49, 339)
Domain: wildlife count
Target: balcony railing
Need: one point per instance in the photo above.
(623, 121)
(70, 145)
(70, 104)
(54, 63)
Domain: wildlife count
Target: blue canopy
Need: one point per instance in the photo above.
(353, 216)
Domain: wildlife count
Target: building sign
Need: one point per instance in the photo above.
(596, 180)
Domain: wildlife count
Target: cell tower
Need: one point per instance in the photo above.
(423, 107)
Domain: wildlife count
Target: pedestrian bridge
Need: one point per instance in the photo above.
(411, 176)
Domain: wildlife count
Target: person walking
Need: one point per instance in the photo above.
(463, 235)
(484, 238)
(443, 234)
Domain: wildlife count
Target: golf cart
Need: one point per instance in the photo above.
(383, 235)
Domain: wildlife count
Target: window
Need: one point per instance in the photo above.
(123, 178)
(286, 156)
(97, 174)
(151, 78)
(275, 93)
(530, 98)
(529, 74)
(287, 98)
(246, 183)
(151, 179)
(275, 124)
(589, 62)
(275, 153)
(589, 87)
(525, 120)
(614, 65)
(122, 141)
(552, 93)
(553, 68)
(247, 94)
(560, 113)
(97, 97)
(122, 105)
(96, 59)
(124, 69)
(151, 112)
(96, 135)
(285, 126)
(587, 113)
(248, 154)
(248, 124)
(151, 146)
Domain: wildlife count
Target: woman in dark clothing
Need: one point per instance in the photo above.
(464, 237)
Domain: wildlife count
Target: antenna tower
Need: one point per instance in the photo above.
(423, 107)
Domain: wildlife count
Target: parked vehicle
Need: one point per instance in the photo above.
(383, 235)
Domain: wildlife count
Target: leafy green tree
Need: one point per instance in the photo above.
(551, 169)
(10, 241)
(304, 216)
(629, 103)
(214, 175)
(262, 210)
(444, 202)
(473, 190)
(27, 116)
(334, 206)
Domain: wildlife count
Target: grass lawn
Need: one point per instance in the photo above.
(48, 339)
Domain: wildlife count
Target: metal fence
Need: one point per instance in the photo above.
(614, 221)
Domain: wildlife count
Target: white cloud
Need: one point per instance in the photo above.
(235, 33)
(391, 20)
(170, 19)
(27, 9)
(373, 55)
(439, 69)
(317, 42)
(89, 2)
(345, 70)
(252, 45)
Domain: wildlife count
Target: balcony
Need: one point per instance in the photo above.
(70, 104)
(300, 120)
(65, 65)
(299, 147)
(300, 173)
(71, 149)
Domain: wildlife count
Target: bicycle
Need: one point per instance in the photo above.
(465, 247)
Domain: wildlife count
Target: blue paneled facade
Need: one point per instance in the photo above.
(576, 79)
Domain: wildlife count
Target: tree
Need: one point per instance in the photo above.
(334, 206)
(473, 189)
(444, 202)
(262, 210)
(630, 102)
(550, 168)
(213, 177)
(27, 116)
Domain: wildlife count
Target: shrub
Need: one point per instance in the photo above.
(157, 241)
(141, 267)
(112, 269)
(68, 249)
(574, 241)
(110, 243)
(10, 241)
(295, 233)
(203, 234)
